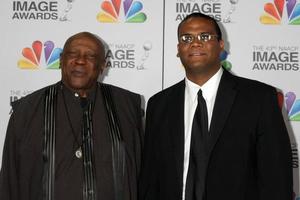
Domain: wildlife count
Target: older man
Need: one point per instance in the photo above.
(77, 139)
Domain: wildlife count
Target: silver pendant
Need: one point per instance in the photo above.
(78, 153)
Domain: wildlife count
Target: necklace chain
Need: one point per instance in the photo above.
(78, 152)
(69, 119)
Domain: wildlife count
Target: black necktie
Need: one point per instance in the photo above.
(195, 184)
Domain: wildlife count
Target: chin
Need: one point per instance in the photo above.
(76, 85)
(78, 82)
(197, 67)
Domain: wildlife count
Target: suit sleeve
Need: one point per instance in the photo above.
(8, 175)
(148, 176)
(139, 138)
(274, 163)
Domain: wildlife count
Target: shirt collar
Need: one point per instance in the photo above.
(208, 89)
(74, 95)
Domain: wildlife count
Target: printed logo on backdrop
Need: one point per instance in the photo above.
(42, 10)
(275, 58)
(128, 11)
(218, 9)
(17, 94)
(281, 11)
(128, 56)
(40, 55)
(291, 104)
(295, 164)
(295, 156)
(295, 196)
(225, 63)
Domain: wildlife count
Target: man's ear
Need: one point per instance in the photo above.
(60, 61)
(102, 67)
(222, 44)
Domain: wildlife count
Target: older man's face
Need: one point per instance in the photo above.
(81, 63)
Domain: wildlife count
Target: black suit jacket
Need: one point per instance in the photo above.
(21, 175)
(249, 148)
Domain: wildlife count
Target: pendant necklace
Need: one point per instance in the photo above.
(78, 152)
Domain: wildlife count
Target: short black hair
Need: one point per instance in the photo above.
(201, 15)
(101, 51)
(92, 36)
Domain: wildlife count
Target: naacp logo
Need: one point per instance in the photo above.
(128, 56)
(42, 10)
(35, 10)
(275, 58)
(217, 9)
(120, 56)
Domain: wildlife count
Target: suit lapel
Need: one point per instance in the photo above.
(223, 103)
(176, 125)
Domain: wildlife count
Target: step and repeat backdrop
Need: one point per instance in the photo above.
(262, 40)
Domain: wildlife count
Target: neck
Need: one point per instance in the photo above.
(202, 77)
(82, 92)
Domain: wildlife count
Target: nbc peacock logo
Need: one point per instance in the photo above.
(225, 63)
(292, 105)
(112, 11)
(33, 56)
(274, 12)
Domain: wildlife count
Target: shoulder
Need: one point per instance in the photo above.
(119, 90)
(25, 111)
(128, 104)
(170, 92)
(178, 87)
(123, 95)
(255, 86)
(29, 101)
(250, 85)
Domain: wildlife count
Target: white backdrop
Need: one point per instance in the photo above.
(262, 42)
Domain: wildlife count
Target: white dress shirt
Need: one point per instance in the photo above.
(209, 92)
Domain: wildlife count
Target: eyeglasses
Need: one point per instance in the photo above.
(203, 37)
